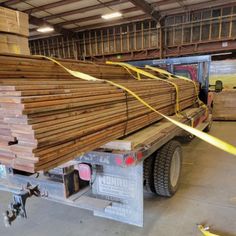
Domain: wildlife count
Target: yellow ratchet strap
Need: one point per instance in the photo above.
(161, 71)
(205, 231)
(204, 136)
(138, 75)
(142, 72)
(128, 67)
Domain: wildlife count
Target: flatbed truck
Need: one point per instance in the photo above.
(110, 181)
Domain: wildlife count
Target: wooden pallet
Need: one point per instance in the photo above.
(224, 105)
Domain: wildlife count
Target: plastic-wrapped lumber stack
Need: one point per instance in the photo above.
(49, 117)
(224, 105)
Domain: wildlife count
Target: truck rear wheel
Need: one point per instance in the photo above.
(148, 167)
(167, 169)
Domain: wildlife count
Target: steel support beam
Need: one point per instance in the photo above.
(39, 22)
(147, 8)
(11, 2)
(50, 6)
(162, 38)
(193, 7)
(96, 17)
(85, 9)
(112, 23)
(162, 2)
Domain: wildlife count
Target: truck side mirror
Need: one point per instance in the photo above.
(218, 86)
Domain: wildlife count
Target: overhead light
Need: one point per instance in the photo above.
(45, 29)
(111, 15)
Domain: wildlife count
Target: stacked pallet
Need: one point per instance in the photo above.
(49, 117)
(224, 105)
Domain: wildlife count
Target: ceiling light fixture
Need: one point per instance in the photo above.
(45, 29)
(111, 15)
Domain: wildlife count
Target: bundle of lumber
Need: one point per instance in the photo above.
(14, 31)
(224, 105)
(49, 117)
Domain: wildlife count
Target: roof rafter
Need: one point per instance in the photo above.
(112, 23)
(12, 2)
(86, 9)
(163, 2)
(50, 5)
(104, 25)
(95, 17)
(147, 8)
(196, 6)
(39, 22)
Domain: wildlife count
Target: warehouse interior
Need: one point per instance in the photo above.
(118, 117)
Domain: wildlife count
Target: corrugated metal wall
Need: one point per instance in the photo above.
(187, 33)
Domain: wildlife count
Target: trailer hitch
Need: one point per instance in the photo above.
(17, 206)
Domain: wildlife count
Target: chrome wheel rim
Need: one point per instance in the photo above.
(175, 167)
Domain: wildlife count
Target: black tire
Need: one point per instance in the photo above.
(148, 167)
(185, 138)
(167, 179)
(208, 128)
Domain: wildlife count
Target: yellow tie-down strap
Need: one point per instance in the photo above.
(149, 75)
(205, 231)
(169, 75)
(139, 71)
(204, 136)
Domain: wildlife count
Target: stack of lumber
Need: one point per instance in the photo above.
(224, 105)
(49, 117)
(14, 32)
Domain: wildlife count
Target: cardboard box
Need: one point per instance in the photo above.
(14, 22)
(10, 43)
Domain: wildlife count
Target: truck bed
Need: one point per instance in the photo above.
(144, 142)
(115, 192)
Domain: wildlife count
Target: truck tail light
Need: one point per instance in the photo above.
(118, 161)
(129, 160)
(85, 172)
(139, 156)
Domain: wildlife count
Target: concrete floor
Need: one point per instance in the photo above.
(207, 195)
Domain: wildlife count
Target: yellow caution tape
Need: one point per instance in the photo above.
(204, 136)
(142, 72)
(205, 231)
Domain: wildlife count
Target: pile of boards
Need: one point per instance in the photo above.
(48, 117)
(14, 32)
(224, 105)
